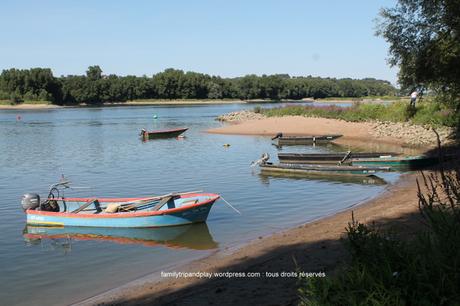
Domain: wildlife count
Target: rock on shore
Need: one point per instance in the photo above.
(411, 134)
(240, 116)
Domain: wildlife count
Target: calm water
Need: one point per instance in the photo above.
(99, 148)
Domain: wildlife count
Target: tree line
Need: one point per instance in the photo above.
(39, 84)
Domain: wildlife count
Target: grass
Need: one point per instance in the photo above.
(360, 99)
(385, 270)
(425, 113)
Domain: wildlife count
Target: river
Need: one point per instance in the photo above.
(99, 149)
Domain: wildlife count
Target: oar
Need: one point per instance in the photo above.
(345, 157)
(136, 203)
(140, 202)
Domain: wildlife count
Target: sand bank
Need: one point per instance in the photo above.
(354, 133)
(373, 135)
(28, 106)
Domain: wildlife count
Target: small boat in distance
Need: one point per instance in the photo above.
(147, 135)
(166, 210)
(303, 140)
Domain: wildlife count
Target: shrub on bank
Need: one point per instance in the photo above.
(428, 113)
(385, 270)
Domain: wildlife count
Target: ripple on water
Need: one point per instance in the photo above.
(100, 149)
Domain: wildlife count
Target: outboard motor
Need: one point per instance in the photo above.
(30, 201)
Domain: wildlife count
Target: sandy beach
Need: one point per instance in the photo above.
(357, 134)
(28, 106)
(312, 247)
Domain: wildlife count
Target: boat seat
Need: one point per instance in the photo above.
(162, 203)
(79, 209)
(189, 202)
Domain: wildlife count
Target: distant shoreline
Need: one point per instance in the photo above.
(156, 102)
(147, 103)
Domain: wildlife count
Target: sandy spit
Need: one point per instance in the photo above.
(354, 133)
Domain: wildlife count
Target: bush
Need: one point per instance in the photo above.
(15, 98)
(427, 113)
(385, 270)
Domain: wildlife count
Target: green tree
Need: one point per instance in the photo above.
(424, 38)
(94, 73)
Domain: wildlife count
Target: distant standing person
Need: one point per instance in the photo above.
(413, 98)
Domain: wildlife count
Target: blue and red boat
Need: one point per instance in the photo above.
(167, 210)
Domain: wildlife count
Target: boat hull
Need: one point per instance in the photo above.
(404, 163)
(328, 158)
(300, 140)
(318, 170)
(162, 134)
(169, 217)
(349, 179)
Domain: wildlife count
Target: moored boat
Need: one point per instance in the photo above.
(167, 210)
(329, 158)
(403, 162)
(349, 179)
(146, 135)
(321, 170)
(303, 140)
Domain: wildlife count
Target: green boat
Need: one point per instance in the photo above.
(321, 170)
(304, 140)
(405, 162)
(349, 179)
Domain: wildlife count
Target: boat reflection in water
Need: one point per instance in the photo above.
(192, 236)
(362, 180)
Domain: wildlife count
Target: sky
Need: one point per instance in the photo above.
(328, 38)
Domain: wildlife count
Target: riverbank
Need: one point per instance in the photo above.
(354, 133)
(28, 106)
(34, 105)
(24, 106)
(313, 247)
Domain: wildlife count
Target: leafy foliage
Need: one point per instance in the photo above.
(429, 113)
(94, 87)
(424, 37)
(385, 270)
